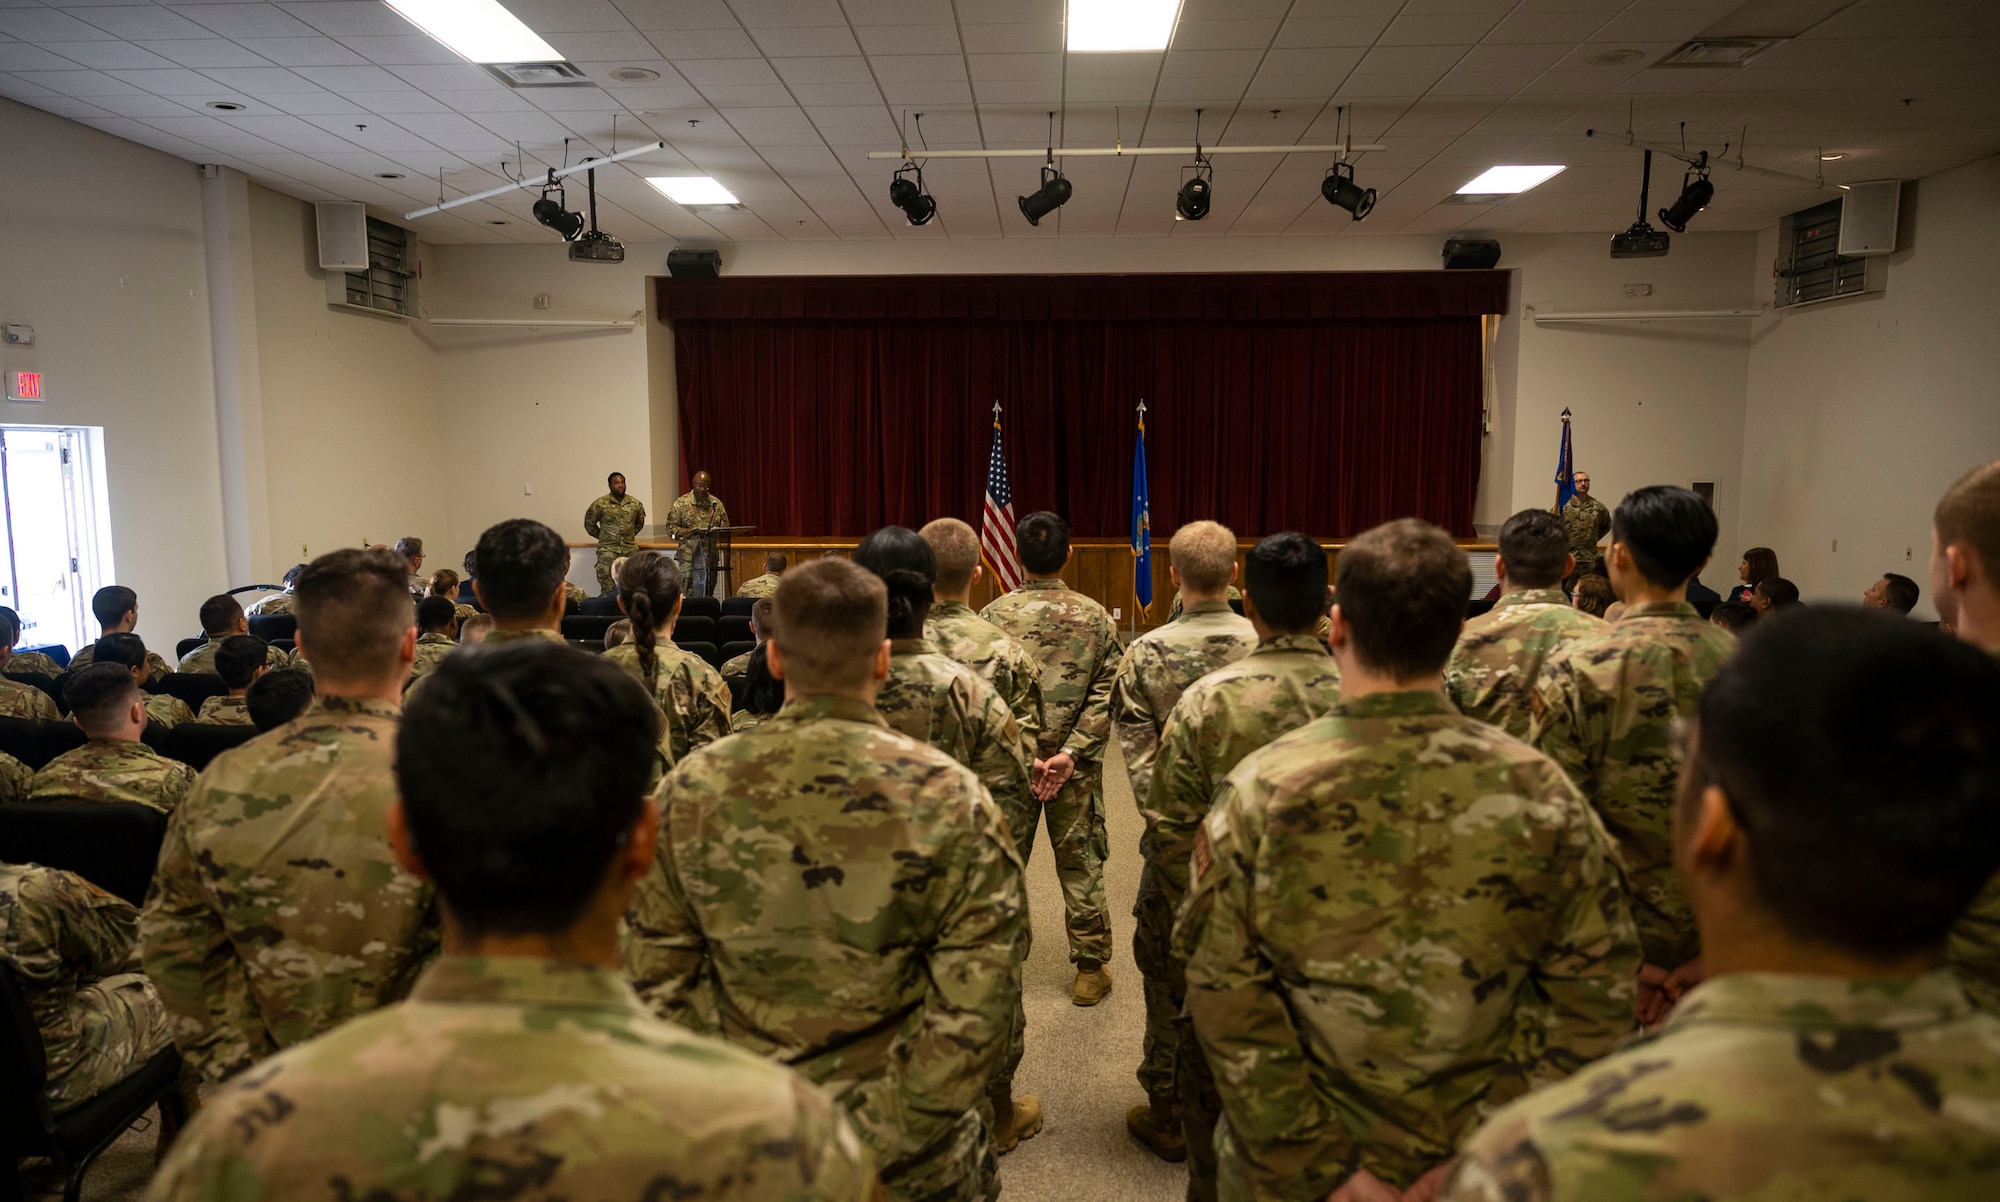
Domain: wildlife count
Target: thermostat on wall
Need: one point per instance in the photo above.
(24, 386)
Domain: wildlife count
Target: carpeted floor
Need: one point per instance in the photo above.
(1080, 1062)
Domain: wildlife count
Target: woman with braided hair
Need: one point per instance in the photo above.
(689, 692)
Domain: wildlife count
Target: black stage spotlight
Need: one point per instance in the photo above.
(1696, 192)
(910, 196)
(556, 215)
(1052, 195)
(1341, 191)
(1191, 204)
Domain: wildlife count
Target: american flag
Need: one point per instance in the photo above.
(996, 529)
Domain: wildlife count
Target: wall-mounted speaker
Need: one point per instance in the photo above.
(1868, 217)
(694, 264)
(343, 234)
(1476, 254)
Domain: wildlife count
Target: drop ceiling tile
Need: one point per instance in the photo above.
(463, 77)
(570, 16)
(106, 55)
(1217, 92)
(1211, 63)
(79, 83)
(917, 68)
(1226, 34)
(1411, 60)
(529, 127)
(677, 14)
(1483, 83)
(917, 93)
(435, 124)
(908, 39)
(1108, 91)
(1438, 29)
(629, 46)
(1330, 64)
(47, 25)
(823, 94)
(405, 50)
(1114, 66)
(1331, 31)
(685, 44)
(20, 56)
(639, 97)
(801, 160)
(730, 71)
(141, 106)
(862, 119)
(138, 22)
(407, 100)
(1559, 26)
(808, 41)
(245, 20)
(303, 52)
(352, 79)
(204, 53)
(316, 103)
(1039, 93)
(1040, 67)
(75, 110)
(753, 95)
(757, 14)
(1011, 39)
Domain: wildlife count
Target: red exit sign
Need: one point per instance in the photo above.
(24, 386)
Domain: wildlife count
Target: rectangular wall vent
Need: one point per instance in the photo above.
(539, 75)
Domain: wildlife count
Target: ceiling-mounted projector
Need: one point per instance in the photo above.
(596, 247)
(1642, 241)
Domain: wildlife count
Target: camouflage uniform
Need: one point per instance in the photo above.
(202, 658)
(960, 634)
(18, 700)
(759, 586)
(687, 516)
(431, 650)
(1587, 521)
(1973, 949)
(1605, 709)
(225, 711)
(1175, 610)
(32, 661)
(614, 522)
(691, 695)
(1157, 666)
(1286, 682)
(70, 945)
(165, 709)
(517, 1077)
(744, 720)
(1765, 1086)
(271, 603)
(114, 770)
(1401, 918)
(1500, 653)
(737, 665)
(15, 779)
(278, 911)
(1072, 638)
(843, 899)
(155, 666)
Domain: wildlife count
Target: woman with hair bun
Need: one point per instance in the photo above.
(689, 692)
(444, 583)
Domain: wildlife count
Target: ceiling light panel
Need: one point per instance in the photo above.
(1113, 26)
(693, 190)
(1510, 179)
(479, 31)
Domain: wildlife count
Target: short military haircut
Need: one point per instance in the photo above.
(1043, 543)
(957, 549)
(1203, 553)
(1900, 592)
(127, 650)
(1535, 547)
(774, 562)
(219, 614)
(1402, 589)
(353, 611)
(1735, 616)
(110, 604)
(1669, 531)
(521, 564)
(238, 657)
(10, 626)
(435, 613)
(1861, 756)
(409, 546)
(832, 618)
(278, 696)
(521, 768)
(475, 629)
(763, 616)
(1969, 513)
(618, 633)
(613, 476)
(292, 574)
(1285, 576)
(98, 696)
(908, 568)
(1779, 591)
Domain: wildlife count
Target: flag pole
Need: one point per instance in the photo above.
(1137, 606)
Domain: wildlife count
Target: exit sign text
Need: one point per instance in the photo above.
(24, 386)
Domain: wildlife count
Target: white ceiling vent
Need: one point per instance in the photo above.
(560, 74)
(1721, 52)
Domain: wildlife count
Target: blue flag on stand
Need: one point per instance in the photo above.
(1565, 469)
(1142, 521)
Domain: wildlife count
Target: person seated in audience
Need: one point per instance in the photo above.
(1703, 598)
(437, 620)
(618, 632)
(70, 945)
(1737, 617)
(240, 660)
(222, 617)
(522, 586)
(104, 702)
(763, 694)
(760, 629)
(765, 585)
(472, 631)
(690, 692)
(1893, 592)
(573, 598)
(1965, 587)
(1384, 939)
(521, 1057)
(276, 697)
(1607, 706)
(278, 910)
(1774, 593)
(16, 778)
(116, 609)
(21, 699)
(1758, 565)
(1839, 807)
(1287, 681)
(444, 583)
(953, 626)
(606, 603)
(18, 663)
(411, 548)
(278, 602)
(1492, 672)
(129, 650)
(832, 894)
(1594, 595)
(1179, 606)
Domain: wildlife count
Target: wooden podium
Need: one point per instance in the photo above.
(711, 562)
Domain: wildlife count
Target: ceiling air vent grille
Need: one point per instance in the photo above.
(1721, 52)
(539, 75)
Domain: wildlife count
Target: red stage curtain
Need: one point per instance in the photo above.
(1292, 408)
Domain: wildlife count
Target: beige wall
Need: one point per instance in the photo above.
(1862, 411)
(101, 252)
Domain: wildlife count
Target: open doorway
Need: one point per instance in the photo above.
(55, 516)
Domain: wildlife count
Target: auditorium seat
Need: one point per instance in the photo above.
(599, 606)
(695, 629)
(288, 646)
(732, 650)
(191, 687)
(182, 648)
(196, 743)
(707, 651)
(155, 737)
(36, 743)
(587, 626)
(112, 844)
(733, 629)
(594, 646)
(738, 606)
(271, 627)
(701, 607)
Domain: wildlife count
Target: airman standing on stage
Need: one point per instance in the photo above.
(614, 520)
(1587, 521)
(692, 513)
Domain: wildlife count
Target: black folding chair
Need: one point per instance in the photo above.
(36, 743)
(271, 627)
(72, 1138)
(47, 684)
(191, 687)
(196, 743)
(182, 648)
(587, 626)
(733, 629)
(732, 650)
(694, 629)
(737, 607)
(707, 651)
(701, 607)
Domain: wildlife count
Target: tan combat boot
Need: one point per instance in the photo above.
(1093, 983)
(1157, 1124)
(1015, 1119)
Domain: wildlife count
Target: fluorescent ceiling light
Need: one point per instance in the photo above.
(478, 31)
(693, 190)
(1104, 26)
(1510, 179)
